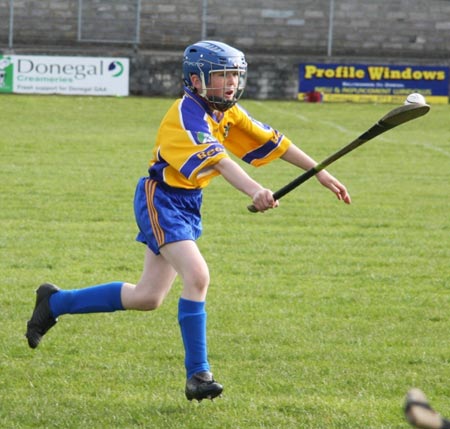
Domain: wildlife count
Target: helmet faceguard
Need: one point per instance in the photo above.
(206, 57)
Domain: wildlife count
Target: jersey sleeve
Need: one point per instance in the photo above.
(252, 141)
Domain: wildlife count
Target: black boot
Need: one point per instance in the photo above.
(202, 386)
(41, 319)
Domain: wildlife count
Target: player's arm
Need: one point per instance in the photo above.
(296, 156)
(237, 177)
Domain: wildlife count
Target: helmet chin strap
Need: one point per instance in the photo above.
(204, 89)
(220, 104)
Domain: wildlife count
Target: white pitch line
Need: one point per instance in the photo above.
(355, 134)
(432, 147)
(338, 127)
(348, 131)
(387, 139)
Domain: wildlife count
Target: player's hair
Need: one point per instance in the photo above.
(203, 58)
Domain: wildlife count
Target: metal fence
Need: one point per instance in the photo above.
(149, 24)
(413, 28)
(95, 15)
(97, 21)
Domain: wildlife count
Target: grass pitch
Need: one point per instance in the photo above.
(320, 315)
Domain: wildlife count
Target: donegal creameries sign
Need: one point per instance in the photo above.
(64, 75)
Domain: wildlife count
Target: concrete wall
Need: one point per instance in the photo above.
(275, 34)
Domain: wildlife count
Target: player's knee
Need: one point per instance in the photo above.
(148, 300)
(150, 303)
(141, 297)
(199, 281)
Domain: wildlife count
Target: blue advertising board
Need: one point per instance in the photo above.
(373, 83)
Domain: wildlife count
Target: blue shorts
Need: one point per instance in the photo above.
(165, 214)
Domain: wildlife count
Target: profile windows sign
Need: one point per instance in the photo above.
(64, 75)
(373, 83)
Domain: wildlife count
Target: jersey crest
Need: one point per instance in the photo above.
(205, 138)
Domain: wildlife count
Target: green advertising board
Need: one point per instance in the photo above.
(6, 74)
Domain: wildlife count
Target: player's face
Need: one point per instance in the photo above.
(223, 84)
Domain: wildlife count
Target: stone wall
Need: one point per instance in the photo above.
(275, 34)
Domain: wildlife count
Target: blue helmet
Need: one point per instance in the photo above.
(205, 57)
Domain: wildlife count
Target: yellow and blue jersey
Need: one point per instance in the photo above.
(191, 140)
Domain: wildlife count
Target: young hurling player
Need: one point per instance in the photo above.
(191, 148)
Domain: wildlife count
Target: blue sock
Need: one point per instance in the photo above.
(96, 299)
(192, 320)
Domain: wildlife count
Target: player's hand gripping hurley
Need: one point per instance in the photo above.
(395, 117)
